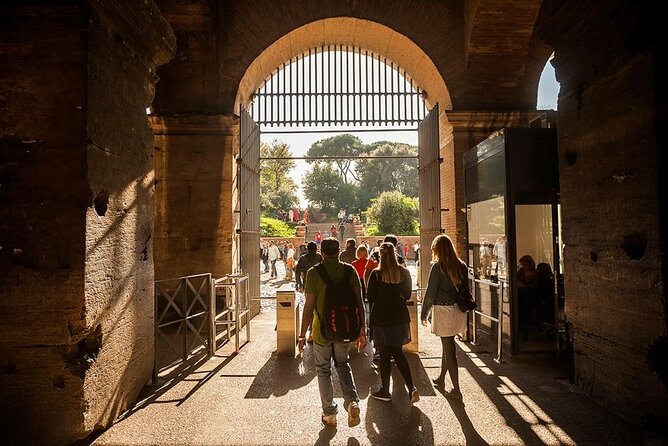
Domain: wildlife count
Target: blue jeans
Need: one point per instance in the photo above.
(323, 365)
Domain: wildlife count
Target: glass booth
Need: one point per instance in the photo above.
(514, 240)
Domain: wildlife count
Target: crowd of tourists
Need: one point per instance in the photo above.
(357, 296)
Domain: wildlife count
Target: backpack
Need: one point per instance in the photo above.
(341, 320)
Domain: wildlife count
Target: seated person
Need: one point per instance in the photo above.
(527, 274)
(526, 293)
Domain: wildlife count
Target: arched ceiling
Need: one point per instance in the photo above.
(355, 33)
(484, 50)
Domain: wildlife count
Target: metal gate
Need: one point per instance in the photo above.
(430, 189)
(248, 187)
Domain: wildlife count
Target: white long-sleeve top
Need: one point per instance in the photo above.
(274, 253)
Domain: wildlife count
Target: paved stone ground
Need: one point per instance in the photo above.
(257, 398)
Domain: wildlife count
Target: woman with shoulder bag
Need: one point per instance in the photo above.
(448, 274)
(388, 290)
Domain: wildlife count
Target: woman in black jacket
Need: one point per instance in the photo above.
(448, 273)
(388, 290)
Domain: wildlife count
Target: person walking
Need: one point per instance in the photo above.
(360, 263)
(305, 262)
(448, 274)
(342, 231)
(289, 262)
(264, 255)
(389, 288)
(273, 255)
(334, 233)
(318, 238)
(348, 255)
(325, 351)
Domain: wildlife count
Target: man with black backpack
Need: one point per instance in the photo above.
(334, 305)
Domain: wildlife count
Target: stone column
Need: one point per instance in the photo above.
(194, 166)
(468, 128)
(76, 271)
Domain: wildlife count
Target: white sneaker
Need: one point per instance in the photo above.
(329, 420)
(353, 414)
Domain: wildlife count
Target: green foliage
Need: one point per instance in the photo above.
(271, 227)
(321, 186)
(340, 145)
(372, 230)
(277, 188)
(394, 213)
(380, 175)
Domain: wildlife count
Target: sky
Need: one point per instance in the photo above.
(299, 143)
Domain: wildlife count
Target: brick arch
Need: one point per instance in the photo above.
(354, 32)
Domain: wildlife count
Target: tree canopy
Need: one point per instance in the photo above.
(379, 175)
(322, 185)
(339, 145)
(278, 191)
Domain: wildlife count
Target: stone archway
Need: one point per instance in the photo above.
(395, 47)
(357, 33)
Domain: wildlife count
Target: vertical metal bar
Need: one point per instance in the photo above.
(390, 92)
(405, 88)
(368, 86)
(156, 324)
(324, 89)
(411, 103)
(283, 97)
(336, 88)
(499, 328)
(475, 316)
(184, 353)
(212, 316)
(387, 90)
(347, 77)
(247, 306)
(236, 316)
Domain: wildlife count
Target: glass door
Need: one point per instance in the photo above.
(536, 285)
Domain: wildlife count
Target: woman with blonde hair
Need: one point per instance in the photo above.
(448, 274)
(388, 290)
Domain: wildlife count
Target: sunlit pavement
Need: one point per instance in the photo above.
(257, 398)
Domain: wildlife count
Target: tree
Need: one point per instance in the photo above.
(277, 188)
(322, 186)
(340, 145)
(379, 175)
(394, 213)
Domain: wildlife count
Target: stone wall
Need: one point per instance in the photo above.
(77, 274)
(615, 298)
(193, 214)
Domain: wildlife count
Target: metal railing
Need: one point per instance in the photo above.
(183, 306)
(236, 312)
(187, 315)
(502, 285)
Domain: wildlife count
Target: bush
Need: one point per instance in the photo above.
(394, 213)
(271, 227)
(372, 230)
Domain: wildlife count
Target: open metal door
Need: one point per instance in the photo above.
(430, 189)
(248, 177)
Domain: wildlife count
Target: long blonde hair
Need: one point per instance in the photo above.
(389, 268)
(444, 254)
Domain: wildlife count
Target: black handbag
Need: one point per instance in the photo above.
(464, 300)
